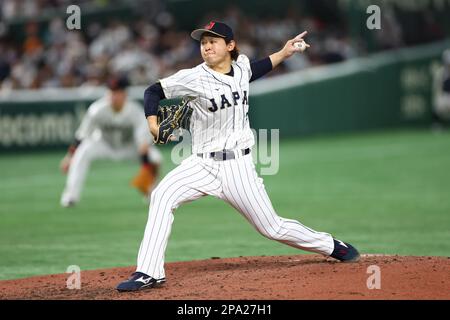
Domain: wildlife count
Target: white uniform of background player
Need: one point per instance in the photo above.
(219, 122)
(106, 133)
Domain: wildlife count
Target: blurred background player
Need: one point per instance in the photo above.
(441, 93)
(114, 127)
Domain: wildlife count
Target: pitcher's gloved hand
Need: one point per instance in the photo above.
(171, 118)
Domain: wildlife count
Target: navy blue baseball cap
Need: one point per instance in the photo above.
(118, 83)
(217, 28)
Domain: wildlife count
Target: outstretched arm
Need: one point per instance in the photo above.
(288, 50)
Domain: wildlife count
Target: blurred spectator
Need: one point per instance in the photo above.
(10, 9)
(150, 48)
(32, 44)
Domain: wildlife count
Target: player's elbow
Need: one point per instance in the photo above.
(152, 96)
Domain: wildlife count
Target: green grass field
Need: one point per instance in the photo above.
(385, 192)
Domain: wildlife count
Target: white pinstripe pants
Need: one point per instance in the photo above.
(236, 182)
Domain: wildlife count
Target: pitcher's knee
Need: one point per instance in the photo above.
(162, 199)
(157, 195)
(274, 232)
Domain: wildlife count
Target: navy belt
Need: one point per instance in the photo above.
(224, 154)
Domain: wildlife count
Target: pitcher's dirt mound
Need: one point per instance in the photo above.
(271, 278)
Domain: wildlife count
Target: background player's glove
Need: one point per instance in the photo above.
(145, 178)
(171, 118)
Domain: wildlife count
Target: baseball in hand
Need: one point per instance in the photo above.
(300, 45)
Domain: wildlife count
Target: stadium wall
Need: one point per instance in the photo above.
(386, 90)
(392, 89)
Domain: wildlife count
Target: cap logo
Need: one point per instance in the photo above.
(210, 25)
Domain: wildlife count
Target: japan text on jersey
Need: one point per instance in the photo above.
(220, 117)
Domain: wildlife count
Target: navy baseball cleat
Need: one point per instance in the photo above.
(344, 252)
(139, 281)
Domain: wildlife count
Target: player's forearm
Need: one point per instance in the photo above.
(152, 96)
(153, 125)
(278, 57)
(73, 147)
(143, 148)
(65, 162)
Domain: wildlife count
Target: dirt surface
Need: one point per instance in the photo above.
(257, 278)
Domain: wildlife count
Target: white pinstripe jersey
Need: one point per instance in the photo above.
(220, 119)
(116, 128)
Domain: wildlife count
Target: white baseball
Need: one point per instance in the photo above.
(300, 45)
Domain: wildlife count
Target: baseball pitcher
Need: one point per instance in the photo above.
(216, 101)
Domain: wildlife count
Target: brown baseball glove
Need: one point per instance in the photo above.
(146, 178)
